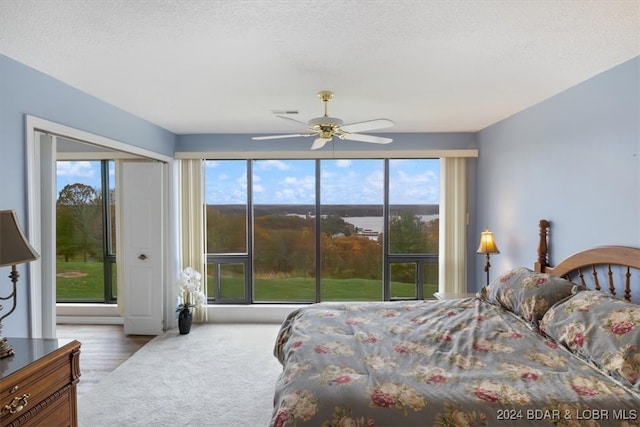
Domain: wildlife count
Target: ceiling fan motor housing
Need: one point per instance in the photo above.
(325, 121)
(326, 126)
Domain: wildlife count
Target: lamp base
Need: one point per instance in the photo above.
(5, 349)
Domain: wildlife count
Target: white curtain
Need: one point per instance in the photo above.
(193, 223)
(453, 225)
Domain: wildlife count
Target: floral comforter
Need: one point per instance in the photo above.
(435, 363)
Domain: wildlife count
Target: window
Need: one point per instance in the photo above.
(314, 230)
(413, 227)
(284, 230)
(352, 216)
(85, 231)
(227, 218)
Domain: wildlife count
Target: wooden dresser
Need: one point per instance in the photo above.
(38, 383)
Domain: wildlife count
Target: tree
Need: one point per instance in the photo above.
(82, 202)
(284, 245)
(226, 231)
(406, 234)
(333, 224)
(67, 243)
(359, 257)
(431, 232)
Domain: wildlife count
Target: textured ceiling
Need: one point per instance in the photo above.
(224, 66)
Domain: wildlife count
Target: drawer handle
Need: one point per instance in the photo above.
(16, 405)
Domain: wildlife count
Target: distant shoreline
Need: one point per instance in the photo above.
(341, 210)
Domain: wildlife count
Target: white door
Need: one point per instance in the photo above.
(142, 220)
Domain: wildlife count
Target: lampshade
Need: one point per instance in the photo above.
(487, 243)
(14, 247)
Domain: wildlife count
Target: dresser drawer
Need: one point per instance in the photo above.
(22, 394)
(57, 412)
(46, 388)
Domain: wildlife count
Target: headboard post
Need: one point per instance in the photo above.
(543, 251)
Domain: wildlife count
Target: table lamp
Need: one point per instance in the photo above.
(14, 249)
(487, 247)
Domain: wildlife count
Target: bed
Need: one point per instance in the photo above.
(537, 346)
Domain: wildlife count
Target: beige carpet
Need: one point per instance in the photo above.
(218, 375)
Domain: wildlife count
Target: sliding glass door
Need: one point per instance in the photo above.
(85, 231)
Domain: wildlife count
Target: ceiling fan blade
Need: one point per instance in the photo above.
(298, 122)
(319, 143)
(366, 138)
(292, 135)
(367, 125)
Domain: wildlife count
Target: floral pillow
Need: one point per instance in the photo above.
(527, 293)
(601, 329)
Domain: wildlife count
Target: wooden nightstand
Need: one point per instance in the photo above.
(453, 295)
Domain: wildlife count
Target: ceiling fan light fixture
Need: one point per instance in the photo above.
(326, 134)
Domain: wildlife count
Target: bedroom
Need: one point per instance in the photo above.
(592, 125)
(572, 158)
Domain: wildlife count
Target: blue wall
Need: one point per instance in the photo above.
(24, 90)
(573, 159)
(401, 142)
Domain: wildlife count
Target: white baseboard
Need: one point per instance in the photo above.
(88, 314)
(89, 320)
(253, 313)
(107, 314)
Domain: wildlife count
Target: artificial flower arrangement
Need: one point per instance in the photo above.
(190, 294)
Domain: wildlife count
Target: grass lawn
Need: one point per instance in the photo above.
(83, 281)
(79, 281)
(303, 289)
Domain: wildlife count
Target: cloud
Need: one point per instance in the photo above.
(345, 181)
(294, 195)
(326, 174)
(300, 181)
(414, 183)
(428, 176)
(288, 190)
(272, 164)
(76, 169)
(419, 193)
(242, 180)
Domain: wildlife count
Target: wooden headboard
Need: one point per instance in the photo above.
(610, 264)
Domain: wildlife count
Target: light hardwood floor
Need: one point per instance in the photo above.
(103, 348)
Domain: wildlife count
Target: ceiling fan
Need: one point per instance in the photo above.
(325, 128)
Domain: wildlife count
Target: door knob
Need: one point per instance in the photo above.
(142, 257)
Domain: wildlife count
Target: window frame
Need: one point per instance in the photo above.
(247, 258)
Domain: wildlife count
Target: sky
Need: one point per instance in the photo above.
(84, 172)
(346, 181)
